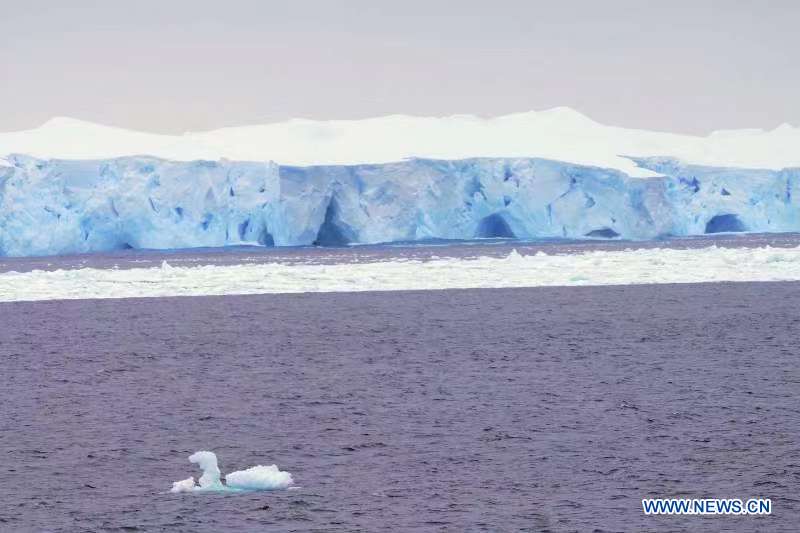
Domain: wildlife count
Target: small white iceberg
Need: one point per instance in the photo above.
(254, 478)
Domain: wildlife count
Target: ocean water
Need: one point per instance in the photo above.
(525, 409)
(421, 251)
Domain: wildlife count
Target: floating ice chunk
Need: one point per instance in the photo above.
(514, 256)
(259, 478)
(255, 478)
(186, 485)
(207, 461)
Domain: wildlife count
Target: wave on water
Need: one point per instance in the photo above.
(254, 478)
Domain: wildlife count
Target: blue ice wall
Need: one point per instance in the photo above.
(60, 206)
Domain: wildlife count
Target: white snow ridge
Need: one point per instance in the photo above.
(254, 478)
(560, 133)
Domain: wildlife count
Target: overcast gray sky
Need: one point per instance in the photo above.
(177, 65)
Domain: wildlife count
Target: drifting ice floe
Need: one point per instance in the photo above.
(254, 478)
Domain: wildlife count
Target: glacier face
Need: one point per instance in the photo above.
(71, 206)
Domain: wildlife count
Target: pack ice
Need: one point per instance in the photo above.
(68, 206)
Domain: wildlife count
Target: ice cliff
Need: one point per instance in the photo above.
(51, 206)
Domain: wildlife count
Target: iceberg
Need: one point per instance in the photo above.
(254, 478)
(259, 477)
(57, 206)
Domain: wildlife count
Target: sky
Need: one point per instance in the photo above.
(187, 65)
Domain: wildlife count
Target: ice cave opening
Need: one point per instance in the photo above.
(494, 226)
(603, 233)
(333, 232)
(728, 222)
